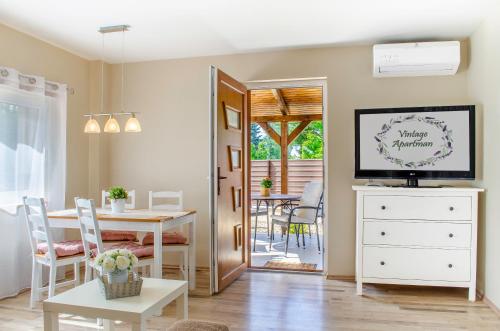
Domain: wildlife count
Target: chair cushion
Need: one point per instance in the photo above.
(137, 249)
(63, 248)
(118, 235)
(194, 325)
(283, 219)
(167, 238)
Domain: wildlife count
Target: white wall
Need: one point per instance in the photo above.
(172, 150)
(484, 88)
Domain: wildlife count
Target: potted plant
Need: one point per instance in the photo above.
(265, 186)
(117, 195)
(116, 263)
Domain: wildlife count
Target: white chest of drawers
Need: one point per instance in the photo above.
(416, 236)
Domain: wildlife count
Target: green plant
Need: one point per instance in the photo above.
(266, 182)
(117, 192)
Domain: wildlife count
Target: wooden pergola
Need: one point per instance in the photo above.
(298, 104)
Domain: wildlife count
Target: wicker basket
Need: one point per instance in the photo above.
(121, 290)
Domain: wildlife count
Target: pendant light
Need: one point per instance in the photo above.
(92, 126)
(112, 125)
(132, 124)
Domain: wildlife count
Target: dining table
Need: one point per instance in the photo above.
(270, 199)
(142, 221)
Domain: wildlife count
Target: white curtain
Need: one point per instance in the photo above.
(32, 162)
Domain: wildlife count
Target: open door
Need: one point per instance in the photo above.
(228, 123)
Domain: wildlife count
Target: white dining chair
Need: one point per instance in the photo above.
(40, 235)
(174, 203)
(113, 235)
(91, 235)
(105, 203)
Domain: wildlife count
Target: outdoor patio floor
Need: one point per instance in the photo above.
(307, 254)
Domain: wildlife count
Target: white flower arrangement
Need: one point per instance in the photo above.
(116, 260)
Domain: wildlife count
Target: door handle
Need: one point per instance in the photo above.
(219, 178)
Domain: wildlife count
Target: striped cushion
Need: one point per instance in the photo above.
(63, 248)
(167, 238)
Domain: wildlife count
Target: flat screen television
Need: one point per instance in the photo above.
(415, 143)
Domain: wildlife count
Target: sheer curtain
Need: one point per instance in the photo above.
(32, 162)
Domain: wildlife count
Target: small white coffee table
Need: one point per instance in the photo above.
(86, 300)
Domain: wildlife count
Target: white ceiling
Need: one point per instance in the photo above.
(166, 29)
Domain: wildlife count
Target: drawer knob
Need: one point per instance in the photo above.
(383, 207)
(450, 265)
(382, 263)
(450, 235)
(382, 233)
(451, 208)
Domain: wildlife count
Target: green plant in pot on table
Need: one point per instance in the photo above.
(265, 186)
(117, 195)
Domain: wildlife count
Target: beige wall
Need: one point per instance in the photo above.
(172, 151)
(484, 88)
(35, 57)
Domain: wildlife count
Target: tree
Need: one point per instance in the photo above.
(308, 145)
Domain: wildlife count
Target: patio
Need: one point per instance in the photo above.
(296, 255)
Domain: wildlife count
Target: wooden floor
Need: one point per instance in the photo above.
(279, 301)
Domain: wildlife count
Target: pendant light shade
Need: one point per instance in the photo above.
(133, 124)
(92, 126)
(112, 125)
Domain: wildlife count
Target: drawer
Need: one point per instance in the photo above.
(426, 234)
(401, 207)
(416, 264)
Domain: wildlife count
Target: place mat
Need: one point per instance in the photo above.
(297, 266)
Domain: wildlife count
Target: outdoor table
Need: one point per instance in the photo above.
(272, 198)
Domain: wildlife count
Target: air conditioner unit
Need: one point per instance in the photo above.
(416, 59)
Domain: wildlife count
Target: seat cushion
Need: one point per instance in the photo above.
(167, 238)
(118, 235)
(63, 248)
(194, 325)
(295, 219)
(137, 249)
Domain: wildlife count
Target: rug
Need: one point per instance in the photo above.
(297, 266)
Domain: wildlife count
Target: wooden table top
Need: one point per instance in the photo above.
(130, 215)
(291, 197)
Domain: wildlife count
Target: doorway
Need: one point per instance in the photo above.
(287, 150)
(230, 186)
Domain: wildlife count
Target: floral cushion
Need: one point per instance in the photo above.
(167, 238)
(118, 235)
(137, 249)
(63, 248)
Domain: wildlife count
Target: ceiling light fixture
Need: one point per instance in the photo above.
(112, 126)
(133, 124)
(92, 126)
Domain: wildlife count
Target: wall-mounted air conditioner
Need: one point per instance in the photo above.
(416, 59)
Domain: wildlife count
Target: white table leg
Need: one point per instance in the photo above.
(50, 321)
(139, 326)
(192, 253)
(158, 252)
(181, 306)
(108, 325)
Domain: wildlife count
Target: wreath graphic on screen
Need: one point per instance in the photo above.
(443, 152)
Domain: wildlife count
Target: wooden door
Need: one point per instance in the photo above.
(229, 107)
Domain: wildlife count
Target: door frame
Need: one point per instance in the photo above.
(294, 83)
(212, 155)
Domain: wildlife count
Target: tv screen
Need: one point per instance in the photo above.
(417, 142)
